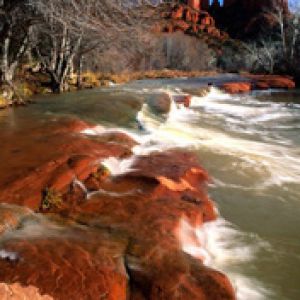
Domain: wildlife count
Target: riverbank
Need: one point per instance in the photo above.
(30, 82)
(107, 182)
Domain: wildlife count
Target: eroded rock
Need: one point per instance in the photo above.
(237, 87)
(119, 242)
(272, 81)
(160, 103)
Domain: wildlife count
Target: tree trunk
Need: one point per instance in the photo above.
(57, 85)
(6, 76)
(79, 72)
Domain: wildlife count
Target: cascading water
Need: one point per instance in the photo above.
(249, 144)
(245, 145)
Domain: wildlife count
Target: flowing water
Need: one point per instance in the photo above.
(250, 146)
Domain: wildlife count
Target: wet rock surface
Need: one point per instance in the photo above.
(237, 87)
(104, 236)
(272, 81)
(160, 103)
(58, 156)
(258, 82)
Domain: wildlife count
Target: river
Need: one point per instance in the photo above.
(249, 144)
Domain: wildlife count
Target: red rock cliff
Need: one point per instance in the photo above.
(194, 4)
(190, 19)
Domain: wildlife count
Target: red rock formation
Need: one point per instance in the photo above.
(188, 19)
(55, 160)
(240, 17)
(195, 4)
(260, 82)
(272, 81)
(237, 87)
(183, 99)
(128, 248)
(121, 242)
(68, 268)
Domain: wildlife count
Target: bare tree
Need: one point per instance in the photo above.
(15, 25)
(289, 30)
(276, 49)
(72, 28)
(262, 55)
(183, 52)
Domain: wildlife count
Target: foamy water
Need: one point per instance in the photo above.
(221, 246)
(247, 141)
(118, 166)
(8, 255)
(271, 159)
(182, 128)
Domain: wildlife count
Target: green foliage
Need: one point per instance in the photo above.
(3, 102)
(102, 172)
(51, 199)
(24, 90)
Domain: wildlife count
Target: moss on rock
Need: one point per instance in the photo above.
(51, 199)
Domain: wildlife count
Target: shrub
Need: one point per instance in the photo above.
(51, 199)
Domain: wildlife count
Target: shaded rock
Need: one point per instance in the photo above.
(200, 92)
(183, 99)
(160, 103)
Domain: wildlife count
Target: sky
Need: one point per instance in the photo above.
(292, 2)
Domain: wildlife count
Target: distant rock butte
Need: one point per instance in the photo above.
(239, 17)
(189, 19)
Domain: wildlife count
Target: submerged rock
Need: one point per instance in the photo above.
(160, 103)
(183, 99)
(200, 92)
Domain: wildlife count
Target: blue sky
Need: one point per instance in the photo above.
(292, 2)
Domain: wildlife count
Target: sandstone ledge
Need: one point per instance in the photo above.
(258, 82)
(122, 241)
